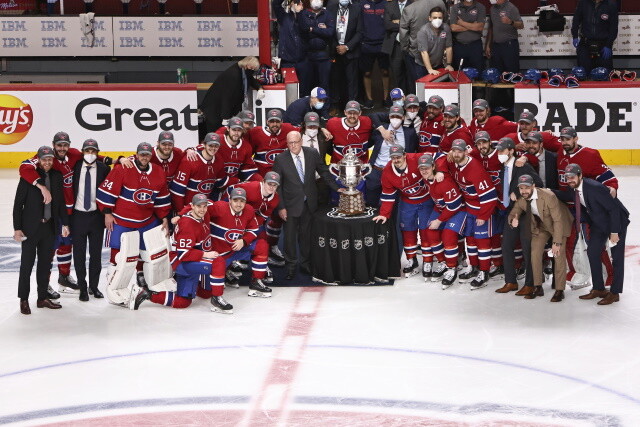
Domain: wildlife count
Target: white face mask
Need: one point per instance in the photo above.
(90, 158)
(493, 1)
(316, 4)
(412, 114)
(502, 158)
(398, 103)
(436, 22)
(312, 133)
(395, 122)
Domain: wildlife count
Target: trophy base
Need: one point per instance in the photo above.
(351, 204)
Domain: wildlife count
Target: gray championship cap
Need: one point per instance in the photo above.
(199, 199)
(568, 132)
(247, 116)
(480, 104)
(238, 193)
(235, 123)
(273, 177)
(212, 138)
(459, 144)
(411, 100)
(451, 110)
(311, 119)
(396, 150)
(144, 148)
(45, 151)
(90, 143)
(425, 160)
(534, 136)
(274, 114)
(166, 136)
(482, 135)
(505, 143)
(353, 106)
(527, 117)
(525, 180)
(61, 137)
(435, 101)
(396, 111)
(573, 169)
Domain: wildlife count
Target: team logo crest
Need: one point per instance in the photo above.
(231, 170)
(270, 157)
(321, 242)
(68, 181)
(232, 235)
(333, 243)
(205, 186)
(357, 244)
(443, 35)
(381, 239)
(604, 16)
(143, 196)
(206, 244)
(368, 241)
(473, 12)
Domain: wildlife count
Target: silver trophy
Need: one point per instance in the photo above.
(350, 172)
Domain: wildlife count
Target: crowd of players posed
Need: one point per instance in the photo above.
(489, 199)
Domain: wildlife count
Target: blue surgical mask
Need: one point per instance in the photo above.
(398, 103)
(319, 105)
(344, 3)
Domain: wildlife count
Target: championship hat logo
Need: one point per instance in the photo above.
(16, 119)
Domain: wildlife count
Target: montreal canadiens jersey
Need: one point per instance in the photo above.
(264, 206)
(430, 134)
(460, 132)
(592, 166)
(266, 146)
(135, 196)
(227, 227)
(408, 183)
(191, 238)
(237, 159)
(492, 165)
(345, 137)
(197, 176)
(223, 129)
(549, 141)
(66, 166)
(446, 196)
(496, 126)
(478, 191)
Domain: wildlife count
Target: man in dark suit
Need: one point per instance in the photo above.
(34, 223)
(404, 136)
(87, 221)
(345, 51)
(299, 198)
(391, 43)
(508, 195)
(313, 137)
(547, 160)
(608, 219)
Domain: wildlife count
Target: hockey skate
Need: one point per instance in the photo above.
(426, 271)
(480, 281)
(462, 261)
(469, 275)
(449, 277)
(496, 272)
(220, 305)
(258, 289)
(411, 268)
(240, 265)
(520, 273)
(438, 271)
(574, 285)
(140, 280)
(268, 278)
(275, 256)
(142, 296)
(233, 275)
(51, 294)
(67, 285)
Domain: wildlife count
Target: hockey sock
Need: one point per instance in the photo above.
(484, 253)
(63, 256)
(410, 239)
(496, 249)
(170, 299)
(425, 246)
(472, 251)
(450, 242)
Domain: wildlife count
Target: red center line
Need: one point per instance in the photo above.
(272, 404)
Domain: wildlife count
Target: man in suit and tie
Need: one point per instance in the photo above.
(608, 220)
(34, 224)
(548, 219)
(508, 195)
(297, 167)
(391, 43)
(547, 160)
(87, 222)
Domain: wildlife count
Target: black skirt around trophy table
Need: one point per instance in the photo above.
(353, 250)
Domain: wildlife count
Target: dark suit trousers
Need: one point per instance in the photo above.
(399, 69)
(344, 81)
(39, 243)
(596, 245)
(510, 237)
(87, 226)
(297, 230)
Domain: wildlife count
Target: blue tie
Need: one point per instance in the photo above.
(505, 187)
(299, 167)
(87, 189)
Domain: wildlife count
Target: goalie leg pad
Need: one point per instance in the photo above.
(119, 275)
(157, 270)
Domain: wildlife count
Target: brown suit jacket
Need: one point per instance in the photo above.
(554, 215)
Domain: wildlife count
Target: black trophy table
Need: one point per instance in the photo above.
(353, 250)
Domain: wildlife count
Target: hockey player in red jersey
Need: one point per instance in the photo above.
(527, 123)
(454, 128)
(352, 131)
(431, 129)
(481, 199)
(593, 167)
(446, 222)
(202, 175)
(402, 177)
(496, 126)
(64, 162)
(270, 140)
(248, 122)
(237, 155)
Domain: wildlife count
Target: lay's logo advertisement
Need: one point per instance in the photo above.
(16, 119)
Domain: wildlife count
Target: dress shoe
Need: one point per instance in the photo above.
(47, 303)
(96, 293)
(594, 294)
(508, 287)
(609, 299)
(290, 274)
(24, 307)
(84, 295)
(526, 290)
(557, 296)
(537, 291)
